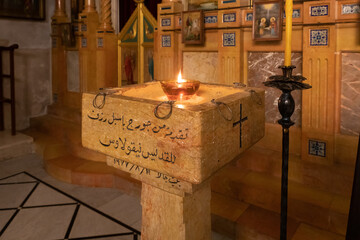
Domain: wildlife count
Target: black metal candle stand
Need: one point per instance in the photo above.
(286, 104)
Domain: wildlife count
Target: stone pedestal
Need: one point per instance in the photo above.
(167, 215)
(171, 208)
(173, 157)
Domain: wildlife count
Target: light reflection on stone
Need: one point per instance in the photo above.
(201, 66)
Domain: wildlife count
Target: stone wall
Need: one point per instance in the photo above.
(262, 65)
(350, 94)
(201, 66)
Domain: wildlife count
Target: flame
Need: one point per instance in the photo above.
(180, 106)
(180, 80)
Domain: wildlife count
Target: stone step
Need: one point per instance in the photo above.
(46, 146)
(75, 170)
(65, 113)
(225, 212)
(306, 232)
(236, 191)
(242, 221)
(66, 132)
(306, 204)
(61, 162)
(258, 223)
(334, 177)
(14, 146)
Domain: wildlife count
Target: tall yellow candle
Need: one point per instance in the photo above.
(288, 13)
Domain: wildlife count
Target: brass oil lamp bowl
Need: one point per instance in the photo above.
(180, 89)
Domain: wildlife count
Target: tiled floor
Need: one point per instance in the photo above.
(49, 214)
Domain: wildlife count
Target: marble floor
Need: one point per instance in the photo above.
(34, 206)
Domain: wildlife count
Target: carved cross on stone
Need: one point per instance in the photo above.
(240, 123)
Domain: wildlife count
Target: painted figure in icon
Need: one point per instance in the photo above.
(196, 28)
(262, 26)
(129, 68)
(273, 26)
(192, 28)
(188, 26)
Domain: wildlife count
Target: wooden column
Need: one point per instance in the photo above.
(106, 49)
(229, 56)
(168, 44)
(105, 23)
(318, 103)
(89, 6)
(168, 66)
(58, 53)
(89, 21)
(60, 9)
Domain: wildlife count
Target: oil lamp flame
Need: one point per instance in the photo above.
(180, 80)
(180, 89)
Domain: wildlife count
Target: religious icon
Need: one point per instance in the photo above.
(24, 9)
(267, 21)
(192, 27)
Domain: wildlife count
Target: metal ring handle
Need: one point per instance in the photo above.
(218, 104)
(102, 102)
(167, 115)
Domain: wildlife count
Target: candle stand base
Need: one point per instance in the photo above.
(286, 83)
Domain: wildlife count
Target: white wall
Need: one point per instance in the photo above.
(32, 65)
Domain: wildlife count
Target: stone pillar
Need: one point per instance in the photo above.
(106, 49)
(172, 216)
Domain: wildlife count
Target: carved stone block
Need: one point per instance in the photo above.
(198, 138)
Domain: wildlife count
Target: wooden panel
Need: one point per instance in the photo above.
(229, 3)
(211, 19)
(298, 13)
(166, 22)
(348, 37)
(229, 18)
(170, 7)
(229, 56)
(167, 55)
(319, 11)
(177, 22)
(319, 57)
(318, 119)
(87, 51)
(106, 60)
(347, 10)
(247, 17)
